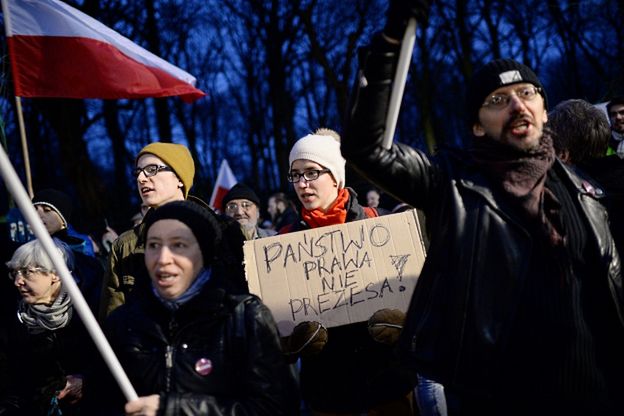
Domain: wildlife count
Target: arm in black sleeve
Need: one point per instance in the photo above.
(402, 171)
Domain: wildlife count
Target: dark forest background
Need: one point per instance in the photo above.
(275, 70)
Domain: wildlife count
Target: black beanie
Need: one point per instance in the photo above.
(57, 200)
(199, 219)
(496, 74)
(241, 191)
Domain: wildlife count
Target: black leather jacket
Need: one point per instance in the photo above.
(217, 354)
(477, 262)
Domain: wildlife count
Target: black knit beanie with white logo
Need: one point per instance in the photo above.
(493, 75)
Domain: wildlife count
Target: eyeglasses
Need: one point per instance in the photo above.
(500, 101)
(151, 170)
(616, 113)
(26, 272)
(233, 206)
(308, 175)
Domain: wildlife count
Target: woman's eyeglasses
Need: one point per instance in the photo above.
(26, 272)
(308, 175)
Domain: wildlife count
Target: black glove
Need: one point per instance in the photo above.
(399, 13)
(386, 325)
(308, 338)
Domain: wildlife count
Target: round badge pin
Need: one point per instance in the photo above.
(203, 366)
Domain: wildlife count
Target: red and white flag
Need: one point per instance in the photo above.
(225, 181)
(58, 51)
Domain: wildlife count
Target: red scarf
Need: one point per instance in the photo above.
(336, 213)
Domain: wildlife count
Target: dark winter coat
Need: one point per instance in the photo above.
(37, 365)
(218, 354)
(472, 282)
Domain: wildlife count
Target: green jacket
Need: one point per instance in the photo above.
(126, 270)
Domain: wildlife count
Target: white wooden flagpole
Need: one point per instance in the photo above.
(24, 140)
(398, 86)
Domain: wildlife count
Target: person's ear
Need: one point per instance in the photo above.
(565, 156)
(477, 130)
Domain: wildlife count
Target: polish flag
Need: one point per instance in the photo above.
(58, 51)
(225, 182)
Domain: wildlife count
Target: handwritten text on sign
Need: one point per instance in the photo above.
(339, 274)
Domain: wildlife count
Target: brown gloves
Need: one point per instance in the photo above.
(385, 325)
(308, 338)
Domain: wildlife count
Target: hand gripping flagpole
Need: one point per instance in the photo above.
(16, 189)
(405, 57)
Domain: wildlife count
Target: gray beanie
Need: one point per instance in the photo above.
(324, 150)
(58, 201)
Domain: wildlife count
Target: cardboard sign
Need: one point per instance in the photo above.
(337, 275)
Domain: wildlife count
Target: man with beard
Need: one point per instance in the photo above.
(615, 109)
(243, 204)
(518, 309)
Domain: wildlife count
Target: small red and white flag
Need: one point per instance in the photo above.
(225, 181)
(58, 51)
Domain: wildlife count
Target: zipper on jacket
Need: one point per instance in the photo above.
(168, 366)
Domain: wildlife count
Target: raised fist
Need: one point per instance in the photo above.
(400, 11)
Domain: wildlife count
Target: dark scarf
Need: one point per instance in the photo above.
(522, 175)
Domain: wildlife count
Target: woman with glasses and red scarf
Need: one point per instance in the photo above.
(344, 370)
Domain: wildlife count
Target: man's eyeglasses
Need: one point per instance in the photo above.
(151, 170)
(308, 175)
(233, 206)
(500, 101)
(616, 113)
(26, 272)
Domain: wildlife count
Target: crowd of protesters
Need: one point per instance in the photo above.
(518, 309)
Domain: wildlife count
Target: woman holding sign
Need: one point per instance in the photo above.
(190, 347)
(348, 369)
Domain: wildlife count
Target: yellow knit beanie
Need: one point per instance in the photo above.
(177, 157)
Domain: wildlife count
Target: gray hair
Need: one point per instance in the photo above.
(32, 254)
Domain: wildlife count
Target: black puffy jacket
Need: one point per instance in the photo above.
(471, 283)
(218, 354)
